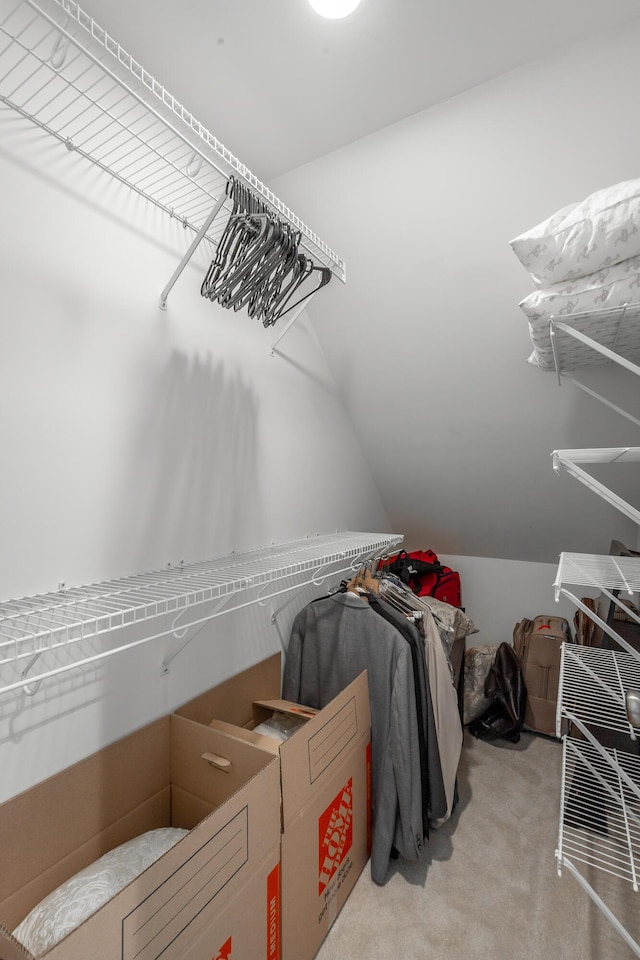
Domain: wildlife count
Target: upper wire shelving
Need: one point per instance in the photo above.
(60, 70)
(189, 594)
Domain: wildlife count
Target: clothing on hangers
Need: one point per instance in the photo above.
(434, 800)
(448, 725)
(332, 641)
(443, 694)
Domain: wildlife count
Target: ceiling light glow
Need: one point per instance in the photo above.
(334, 9)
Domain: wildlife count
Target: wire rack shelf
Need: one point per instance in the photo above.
(590, 570)
(600, 818)
(60, 70)
(599, 834)
(593, 687)
(34, 625)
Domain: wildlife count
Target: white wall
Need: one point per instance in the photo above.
(133, 437)
(497, 594)
(427, 342)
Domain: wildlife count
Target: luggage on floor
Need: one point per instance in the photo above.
(477, 663)
(426, 576)
(504, 688)
(537, 645)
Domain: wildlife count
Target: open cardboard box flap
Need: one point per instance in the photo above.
(309, 757)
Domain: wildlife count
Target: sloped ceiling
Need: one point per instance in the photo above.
(281, 86)
(417, 139)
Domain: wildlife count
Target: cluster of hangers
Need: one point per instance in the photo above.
(258, 263)
(372, 578)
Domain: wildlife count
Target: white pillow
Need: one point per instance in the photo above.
(610, 287)
(73, 901)
(583, 238)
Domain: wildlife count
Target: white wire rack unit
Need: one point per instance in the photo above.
(571, 460)
(599, 831)
(597, 338)
(189, 594)
(60, 70)
(600, 822)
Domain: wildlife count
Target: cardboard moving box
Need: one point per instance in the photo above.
(325, 777)
(214, 892)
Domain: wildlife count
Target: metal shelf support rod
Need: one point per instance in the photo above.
(634, 878)
(291, 322)
(598, 396)
(563, 781)
(611, 917)
(192, 248)
(611, 498)
(605, 351)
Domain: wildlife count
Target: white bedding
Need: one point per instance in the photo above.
(75, 900)
(583, 238)
(610, 287)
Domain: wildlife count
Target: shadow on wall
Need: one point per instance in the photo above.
(191, 486)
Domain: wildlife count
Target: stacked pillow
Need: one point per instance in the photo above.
(584, 257)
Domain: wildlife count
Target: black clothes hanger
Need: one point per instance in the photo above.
(257, 263)
(325, 277)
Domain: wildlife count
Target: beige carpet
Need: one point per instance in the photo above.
(487, 887)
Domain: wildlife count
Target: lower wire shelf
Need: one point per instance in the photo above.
(599, 835)
(166, 602)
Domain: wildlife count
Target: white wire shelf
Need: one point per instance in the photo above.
(570, 461)
(593, 687)
(599, 832)
(39, 624)
(600, 816)
(590, 570)
(607, 574)
(60, 70)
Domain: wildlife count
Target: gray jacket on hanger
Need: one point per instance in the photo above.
(332, 641)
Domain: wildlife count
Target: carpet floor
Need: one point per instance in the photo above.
(487, 887)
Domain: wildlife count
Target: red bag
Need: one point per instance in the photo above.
(426, 576)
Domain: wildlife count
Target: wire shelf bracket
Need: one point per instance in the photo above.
(597, 338)
(569, 460)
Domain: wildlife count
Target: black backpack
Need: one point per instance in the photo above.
(504, 686)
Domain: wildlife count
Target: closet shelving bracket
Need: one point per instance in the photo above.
(571, 460)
